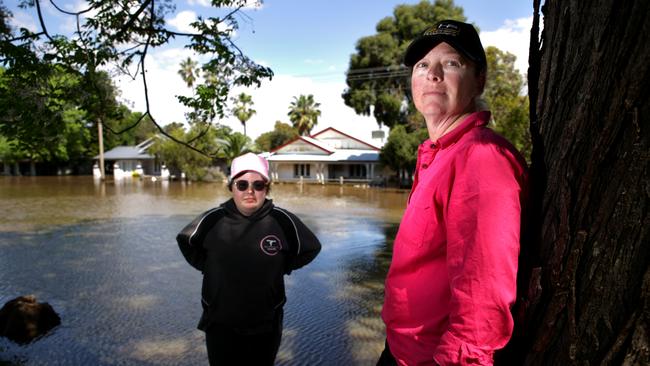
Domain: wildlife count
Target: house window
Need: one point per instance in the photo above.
(301, 170)
(357, 171)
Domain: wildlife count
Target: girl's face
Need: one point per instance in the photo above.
(246, 194)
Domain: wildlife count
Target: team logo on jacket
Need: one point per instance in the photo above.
(271, 245)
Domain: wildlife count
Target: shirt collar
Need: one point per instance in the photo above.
(476, 119)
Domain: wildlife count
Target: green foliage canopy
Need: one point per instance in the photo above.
(121, 34)
(47, 100)
(400, 150)
(503, 94)
(176, 156)
(378, 83)
(281, 134)
(49, 116)
(232, 145)
(213, 139)
(376, 76)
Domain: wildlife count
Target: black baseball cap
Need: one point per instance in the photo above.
(461, 36)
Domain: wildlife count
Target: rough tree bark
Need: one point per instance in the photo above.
(585, 280)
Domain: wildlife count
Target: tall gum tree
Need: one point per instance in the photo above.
(585, 284)
(376, 77)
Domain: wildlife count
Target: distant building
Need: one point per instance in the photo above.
(130, 159)
(328, 156)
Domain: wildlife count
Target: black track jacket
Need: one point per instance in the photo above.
(244, 260)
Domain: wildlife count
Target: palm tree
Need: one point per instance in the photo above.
(189, 71)
(242, 109)
(304, 113)
(233, 145)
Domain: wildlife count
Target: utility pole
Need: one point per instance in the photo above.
(100, 135)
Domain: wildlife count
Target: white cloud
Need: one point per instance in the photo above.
(82, 5)
(199, 2)
(163, 83)
(514, 37)
(253, 4)
(68, 25)
(61, 23)
(47, 9)
(249, 4)
(21, 19)
(271, 100)
(182, 21)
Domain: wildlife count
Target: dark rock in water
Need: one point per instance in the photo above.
(23, 319)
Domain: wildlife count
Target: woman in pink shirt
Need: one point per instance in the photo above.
(452, 279)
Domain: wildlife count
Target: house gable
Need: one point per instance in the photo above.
(305, 146)
(137, 152)
(339, 140)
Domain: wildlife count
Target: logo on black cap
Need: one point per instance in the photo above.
(443, 28)
(462, 36)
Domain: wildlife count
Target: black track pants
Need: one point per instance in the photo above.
(229, 347)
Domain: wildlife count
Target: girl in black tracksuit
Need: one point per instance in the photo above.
(244, 260)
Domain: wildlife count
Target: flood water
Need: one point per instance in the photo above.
(104, 255)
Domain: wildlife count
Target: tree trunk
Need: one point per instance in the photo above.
(585, 284)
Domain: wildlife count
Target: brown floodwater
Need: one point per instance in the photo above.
(104, 255)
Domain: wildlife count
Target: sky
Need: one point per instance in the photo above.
(307, 44)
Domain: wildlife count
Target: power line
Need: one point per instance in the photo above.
(378, 68)
(378, 75)
(364, 74)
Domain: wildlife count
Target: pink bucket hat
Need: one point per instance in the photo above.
(249, 162)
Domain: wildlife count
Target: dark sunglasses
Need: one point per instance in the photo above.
(258, 185)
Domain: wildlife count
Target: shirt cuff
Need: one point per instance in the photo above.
(452, 351)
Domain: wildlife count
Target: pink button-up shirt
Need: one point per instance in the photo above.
(452, 279)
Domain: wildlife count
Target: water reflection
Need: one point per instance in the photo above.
(103, 254)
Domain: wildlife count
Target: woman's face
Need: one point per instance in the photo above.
(444, 84)
(249, 200)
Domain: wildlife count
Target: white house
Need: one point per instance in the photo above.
(328, 156)
(123, 161)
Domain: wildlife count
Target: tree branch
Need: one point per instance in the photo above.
(40, 19)
(126, 129)
(33, 35)
(146, 96)
(68, 12)
(201, 134)
(235, 47)
(233, 12)
(182, 34)
(135, 15)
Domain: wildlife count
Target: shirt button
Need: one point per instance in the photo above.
(424, 166)
(433, 146)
